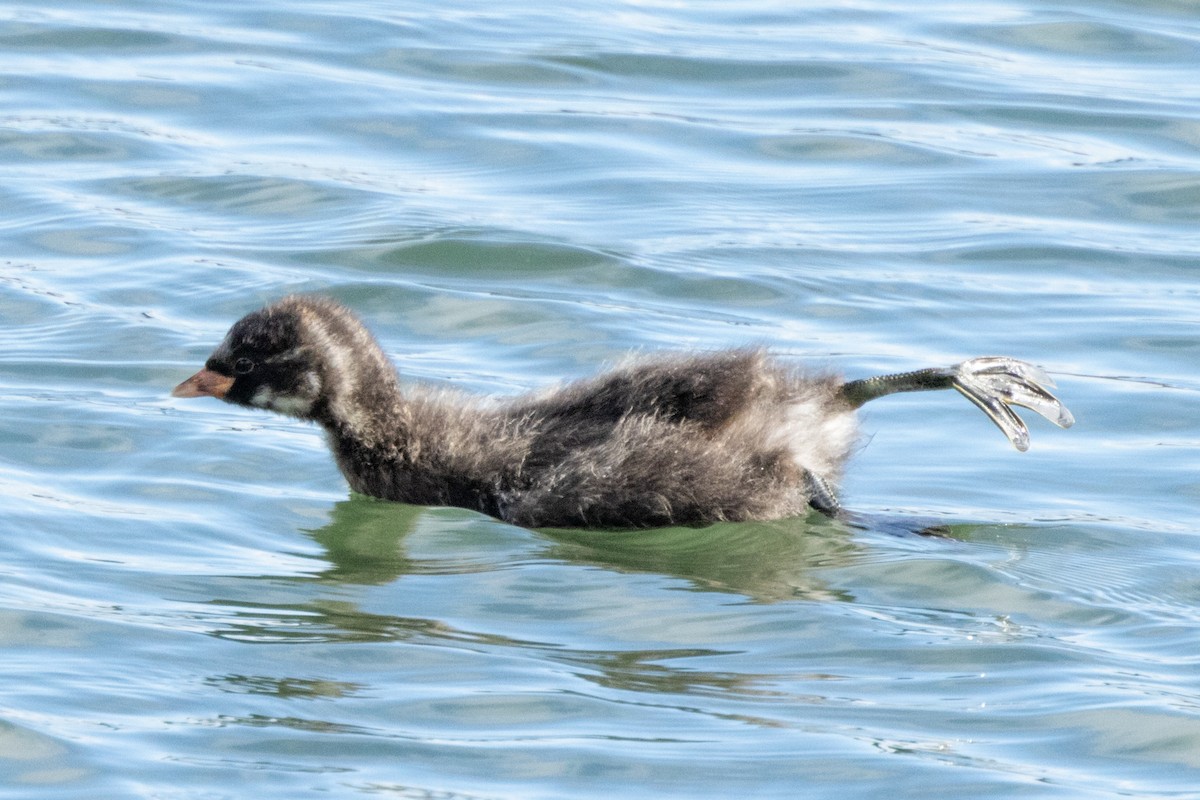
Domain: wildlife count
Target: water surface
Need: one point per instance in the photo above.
(192, 604)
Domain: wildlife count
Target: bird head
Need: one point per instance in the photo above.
(267, 360)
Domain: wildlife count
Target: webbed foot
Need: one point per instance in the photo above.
(995, 383)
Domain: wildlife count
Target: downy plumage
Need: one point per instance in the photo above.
(664, 440)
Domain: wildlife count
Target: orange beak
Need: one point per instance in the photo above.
(204, 383)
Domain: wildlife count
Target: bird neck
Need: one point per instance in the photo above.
(363, 402)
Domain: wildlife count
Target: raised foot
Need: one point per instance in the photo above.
(994, 383)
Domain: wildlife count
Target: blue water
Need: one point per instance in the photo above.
(193, 606)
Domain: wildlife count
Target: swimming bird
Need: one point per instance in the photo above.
(677, 439)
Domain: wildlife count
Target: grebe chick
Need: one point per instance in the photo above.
(667, 440)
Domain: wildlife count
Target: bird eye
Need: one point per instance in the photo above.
(242, 366)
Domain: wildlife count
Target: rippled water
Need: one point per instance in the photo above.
(191, 604)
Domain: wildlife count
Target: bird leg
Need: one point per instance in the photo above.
(821, 495)
(993, 383)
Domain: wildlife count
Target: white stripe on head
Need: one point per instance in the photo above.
(292, 405)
